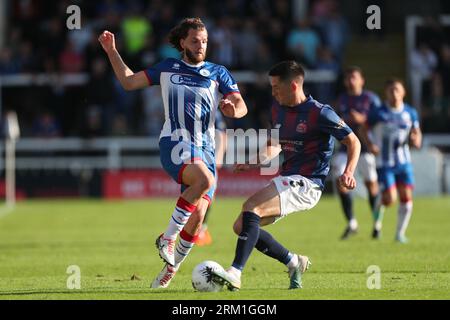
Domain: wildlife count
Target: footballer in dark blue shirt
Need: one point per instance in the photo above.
(306, 130)
(354, 106)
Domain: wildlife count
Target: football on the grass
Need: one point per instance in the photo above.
(202, 277)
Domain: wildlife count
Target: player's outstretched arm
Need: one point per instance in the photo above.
(127, 78)
(234, 106)
(416, 138)
(353, 145)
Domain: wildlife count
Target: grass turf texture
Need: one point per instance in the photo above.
(111, 241)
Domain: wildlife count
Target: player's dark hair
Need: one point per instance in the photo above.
(389, 82)
(351, 69)
(181, 31)
(287, 70)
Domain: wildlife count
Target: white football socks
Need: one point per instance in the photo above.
(183, 248)
(353, 224)
(293, 262)
(404, 215)
(235, 272)
(179, 218)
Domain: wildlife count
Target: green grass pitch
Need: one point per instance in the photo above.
(111, 241)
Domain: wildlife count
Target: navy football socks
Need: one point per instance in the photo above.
(247, 239)
(373, 201)
(347, 205)
(272, 248)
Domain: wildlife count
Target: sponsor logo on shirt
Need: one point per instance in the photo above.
(188, 80)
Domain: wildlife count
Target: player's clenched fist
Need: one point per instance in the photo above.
(107, 41)
(347, 181)
(227, 107)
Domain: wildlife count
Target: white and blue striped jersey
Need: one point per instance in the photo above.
(191, 96)
(390, 132)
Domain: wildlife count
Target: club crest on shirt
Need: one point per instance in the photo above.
(205, 72)
(406, 117)
(302, 127)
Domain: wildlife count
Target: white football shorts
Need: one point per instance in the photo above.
(297, 193)
(367, 166)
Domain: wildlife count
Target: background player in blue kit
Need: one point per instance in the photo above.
(394, 126)
(192, 90)
(354, 106)
(306, 131)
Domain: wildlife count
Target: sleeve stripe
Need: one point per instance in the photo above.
(230, 93)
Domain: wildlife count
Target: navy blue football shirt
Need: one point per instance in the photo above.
(306, 134)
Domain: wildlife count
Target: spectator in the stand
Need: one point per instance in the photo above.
(231, 8)
(247, 44)
(203, 10)
(222, 42)
(153, 110)
(46, 126)
(282, 10)
(162, 16)
(441, 93)
(303, 42)
(27, 16)
(326, 61)
(444, 74)
(136, 29)
(8, 63)
(81, 38)
(248, 35)
(263, 58)
(275, 38)
(148, 55)
(423, 63)
(71, 61)
(120, 125)
(166, 50)
(27, 59)
(92, 52)
(93, 125)
(15, 39)
(100, 91)
(433, 32)
(334, 30)
(53, 38)
(112, 19)
(320, 10)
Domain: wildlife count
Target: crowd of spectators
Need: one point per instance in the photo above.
(243, 35)
(430, 75)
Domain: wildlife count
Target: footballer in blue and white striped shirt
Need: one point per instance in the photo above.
(394, 126)
(192, 91)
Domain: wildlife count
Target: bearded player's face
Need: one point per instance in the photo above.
(195, 45)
